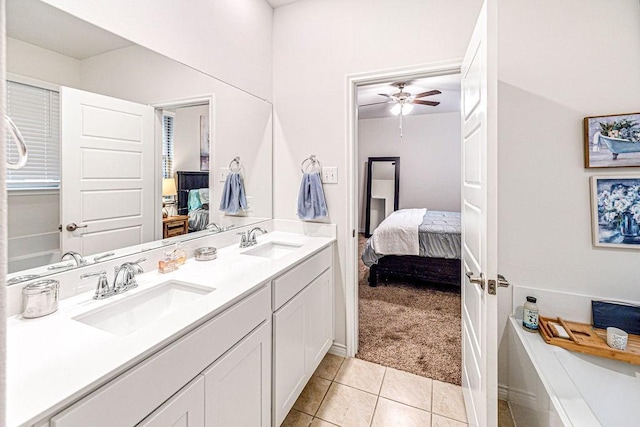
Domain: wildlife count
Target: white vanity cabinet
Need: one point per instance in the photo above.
(237, 387)
(184, 409)
(302, 328)
(148, 387)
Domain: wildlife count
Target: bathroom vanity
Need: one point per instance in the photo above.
(231, 341)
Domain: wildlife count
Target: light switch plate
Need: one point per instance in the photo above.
(223, 174)
(330, 175)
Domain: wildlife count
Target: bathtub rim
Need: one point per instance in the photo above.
(563, 394)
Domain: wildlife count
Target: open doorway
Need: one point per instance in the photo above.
(408, 224)
(184, 141)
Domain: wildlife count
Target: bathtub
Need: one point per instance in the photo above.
(551, 386)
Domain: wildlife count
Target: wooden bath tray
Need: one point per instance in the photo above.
(589, 340)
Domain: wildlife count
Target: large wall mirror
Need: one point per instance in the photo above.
(107, 122)
(383, 190)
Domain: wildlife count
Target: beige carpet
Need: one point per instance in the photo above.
(413, 327)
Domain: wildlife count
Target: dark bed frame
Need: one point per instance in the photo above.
(189, 181)
(433, 270)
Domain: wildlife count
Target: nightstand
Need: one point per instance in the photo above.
(175, 226)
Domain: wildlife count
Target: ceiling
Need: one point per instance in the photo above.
(278, 3)
(449, 99)
(30, 21)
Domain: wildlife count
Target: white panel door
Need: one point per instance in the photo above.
(479, 230)
(108, 172)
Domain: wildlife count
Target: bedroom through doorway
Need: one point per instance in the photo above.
(408, 223)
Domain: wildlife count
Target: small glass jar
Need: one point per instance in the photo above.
(530, 315)
(40, 298)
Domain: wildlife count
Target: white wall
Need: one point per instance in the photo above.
(429, 154)
(228, 39)
(585, 62)
(186, 144)
(42, 64)
(316, 44)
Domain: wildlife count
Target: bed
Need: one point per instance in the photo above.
(416, 244)
(193, 193)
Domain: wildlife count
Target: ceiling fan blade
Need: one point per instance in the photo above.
(375, 103)
(384, 94)
(432, 103)
(429, 93)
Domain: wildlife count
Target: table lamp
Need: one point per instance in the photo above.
(169, 193)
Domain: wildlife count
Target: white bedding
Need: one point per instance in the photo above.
(398, 233)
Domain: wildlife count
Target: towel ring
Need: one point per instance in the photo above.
(20, 145)
(314, 162)
(236, 162)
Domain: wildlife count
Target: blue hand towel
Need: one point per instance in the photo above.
(311, 202)
(233, 197)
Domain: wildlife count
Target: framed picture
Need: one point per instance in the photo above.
(615, 205)
(204, 143)
(612, 141)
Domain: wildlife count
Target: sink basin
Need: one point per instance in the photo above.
(272, 250)
(131, 313)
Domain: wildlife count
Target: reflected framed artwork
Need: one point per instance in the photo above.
(204, 143)
(615, 205)
(612, 141)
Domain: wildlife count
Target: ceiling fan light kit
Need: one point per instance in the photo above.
(404, 102)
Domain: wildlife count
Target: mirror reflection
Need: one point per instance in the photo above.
(128, 149)
(383, 188)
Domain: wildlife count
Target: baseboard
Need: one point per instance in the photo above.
(338, 350)
(503, 392)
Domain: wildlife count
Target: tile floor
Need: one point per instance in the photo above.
(354, 392)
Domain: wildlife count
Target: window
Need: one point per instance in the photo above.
(167, 144)
(36, 112)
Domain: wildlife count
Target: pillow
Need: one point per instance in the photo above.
(204, 195)
(194, 201)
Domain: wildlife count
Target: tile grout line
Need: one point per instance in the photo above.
(375, 407)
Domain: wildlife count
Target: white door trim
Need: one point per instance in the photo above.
(439, 68)
(179, 103)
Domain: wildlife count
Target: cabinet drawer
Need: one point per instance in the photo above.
(293, 281)
(129, 398)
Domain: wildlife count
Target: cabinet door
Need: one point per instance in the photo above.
(318, 320)
(289, 361)
(238, 385)
(184, 409)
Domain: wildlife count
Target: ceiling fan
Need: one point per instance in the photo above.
(404, 101)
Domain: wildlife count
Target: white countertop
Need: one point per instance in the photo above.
(54, 360)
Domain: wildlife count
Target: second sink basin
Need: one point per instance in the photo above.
(129, 314)
(273, 250)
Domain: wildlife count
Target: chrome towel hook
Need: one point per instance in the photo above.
(314, 163)
(20, 145)
(235, 163)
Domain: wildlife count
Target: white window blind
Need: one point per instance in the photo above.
(167, 146)
(36, 112)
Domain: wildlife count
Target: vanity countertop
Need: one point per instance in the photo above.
(53, 361)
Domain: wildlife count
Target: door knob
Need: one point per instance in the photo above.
(477, 280)
(502, 282)
(73, 226)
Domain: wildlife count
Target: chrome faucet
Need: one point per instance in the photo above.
(123, 280)
(212, 226)
(103, 290)
(252, 235)
(79, 259)
(124, 276)
(244, 239)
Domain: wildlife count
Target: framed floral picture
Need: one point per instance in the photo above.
(615, 204)
(612, 141)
